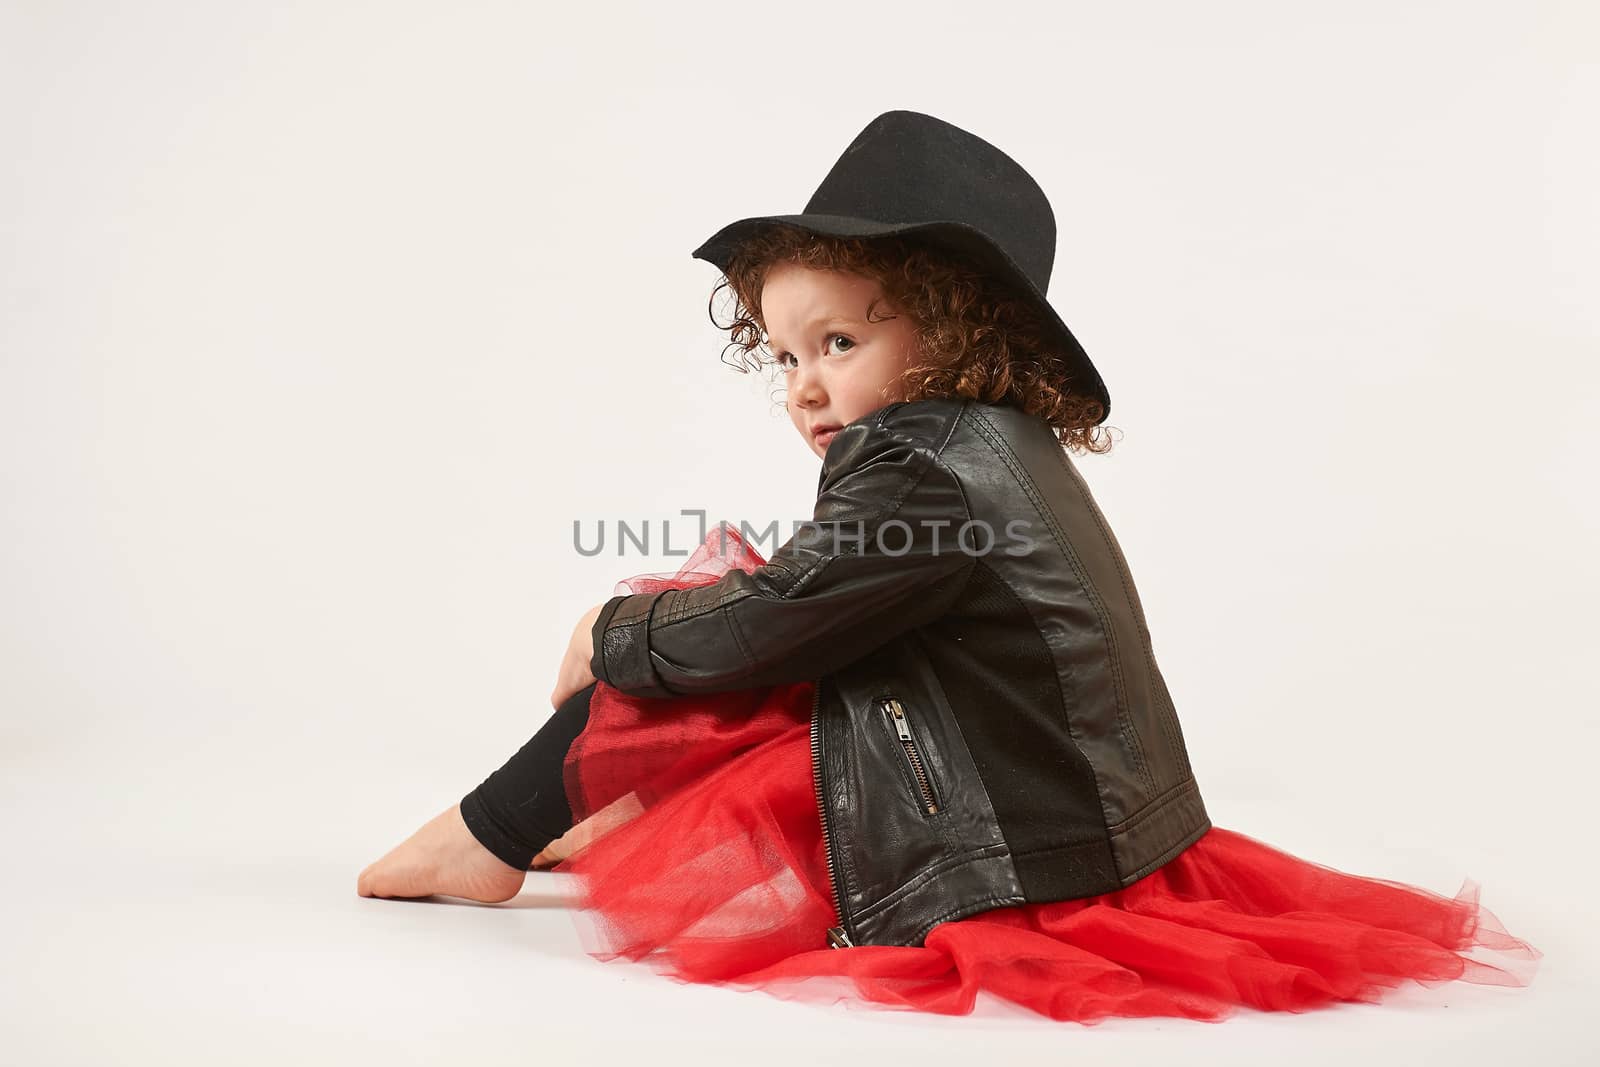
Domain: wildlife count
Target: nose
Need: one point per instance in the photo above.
(805, 386)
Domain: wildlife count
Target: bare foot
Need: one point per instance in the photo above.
(442, 857)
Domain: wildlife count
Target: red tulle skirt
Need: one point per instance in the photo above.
(699, 852)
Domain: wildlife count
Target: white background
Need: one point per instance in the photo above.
(321, 322)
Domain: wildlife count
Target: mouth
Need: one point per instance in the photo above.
(823, 434)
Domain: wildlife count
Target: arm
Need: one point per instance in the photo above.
(827, 597)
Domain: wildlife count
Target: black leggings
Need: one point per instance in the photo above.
(522, 807)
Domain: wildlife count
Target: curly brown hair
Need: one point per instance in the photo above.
(975, 337)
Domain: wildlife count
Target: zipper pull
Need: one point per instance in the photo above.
(898, 713)
(837, 938)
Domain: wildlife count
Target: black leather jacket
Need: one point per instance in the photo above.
(990, 725)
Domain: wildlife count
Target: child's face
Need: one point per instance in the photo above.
(836, 365)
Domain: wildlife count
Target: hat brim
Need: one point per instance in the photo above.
(719, 248)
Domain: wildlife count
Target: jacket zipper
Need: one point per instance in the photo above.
(837, 935)
(902, 729)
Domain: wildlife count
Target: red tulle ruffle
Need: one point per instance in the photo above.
(699, 852)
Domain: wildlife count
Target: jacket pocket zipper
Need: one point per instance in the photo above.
(902, 730)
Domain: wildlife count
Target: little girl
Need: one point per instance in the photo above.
(926, 748)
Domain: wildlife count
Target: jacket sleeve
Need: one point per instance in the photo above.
(878, 557)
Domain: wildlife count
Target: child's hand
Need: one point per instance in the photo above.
(574, 674)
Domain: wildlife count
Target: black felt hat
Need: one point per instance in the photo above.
(910, 174)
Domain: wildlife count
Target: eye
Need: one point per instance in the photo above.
(782, 359)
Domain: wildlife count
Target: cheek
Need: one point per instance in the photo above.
(889, 376)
